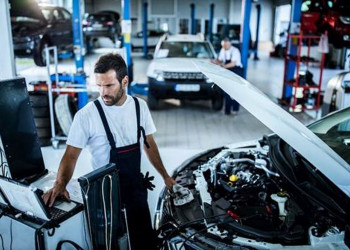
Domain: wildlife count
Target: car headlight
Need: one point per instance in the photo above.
(345, 19)
(158, 74)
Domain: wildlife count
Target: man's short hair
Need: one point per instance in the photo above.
(226, 39)
(114, 62)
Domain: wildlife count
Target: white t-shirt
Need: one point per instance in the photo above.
(87, 128)
(233, 54)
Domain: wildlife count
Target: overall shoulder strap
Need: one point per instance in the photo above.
(105, 123)
(137, 106)
(140, 129)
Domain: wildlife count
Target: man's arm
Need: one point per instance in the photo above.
(229, 65)
(154, 157)
(64, 174)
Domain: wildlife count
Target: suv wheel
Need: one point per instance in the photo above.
(40, 55)
(217, 103)
(152, 101)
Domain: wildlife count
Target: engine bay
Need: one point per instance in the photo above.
(234, 195)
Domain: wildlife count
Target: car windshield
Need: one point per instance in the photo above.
(187, 49)
(334, 130)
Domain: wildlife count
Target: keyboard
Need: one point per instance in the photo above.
(56, 213)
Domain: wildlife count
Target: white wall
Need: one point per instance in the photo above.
(266, 21)
(235, 7)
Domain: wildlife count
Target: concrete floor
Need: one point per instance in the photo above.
(185, 128)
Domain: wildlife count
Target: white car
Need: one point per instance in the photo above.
(289, 190)
(171, 73)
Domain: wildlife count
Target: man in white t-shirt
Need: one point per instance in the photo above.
(113, 128)
(230, 58)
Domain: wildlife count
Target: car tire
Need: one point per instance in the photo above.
(65, 110)
(39, 54)
(41, 112)
(42, 122)
(217, 103)
(152, 101)
(39, 100)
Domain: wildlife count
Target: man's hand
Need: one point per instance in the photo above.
(215, 61)
(57, 191)
(169, 182)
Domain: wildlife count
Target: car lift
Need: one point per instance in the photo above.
(294, 27)
(78, 42)
(246, 9)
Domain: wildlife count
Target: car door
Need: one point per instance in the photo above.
(67, 29)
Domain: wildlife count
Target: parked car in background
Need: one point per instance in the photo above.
(153, 37)
(230, 31)
(290, 189)
(102, 24)
(332, 16)
(36, 26)
(171, 73)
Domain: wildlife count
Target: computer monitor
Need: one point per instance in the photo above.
(101, 196)
(18, 132)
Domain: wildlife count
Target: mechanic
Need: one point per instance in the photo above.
(230, 58)
(113, 127)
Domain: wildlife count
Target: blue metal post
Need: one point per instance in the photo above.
(193, 18)
(258, 9)
(78, 43)
(144, 29)
(78, 37)
(246, 8)
(211, 18)
(127, 31)
(293, 45)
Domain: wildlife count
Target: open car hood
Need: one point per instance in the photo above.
(280, 122)
(26, 8)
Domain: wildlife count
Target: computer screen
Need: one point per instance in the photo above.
(18, 131)
(23, 198)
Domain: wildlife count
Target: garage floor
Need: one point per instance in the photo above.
(185, 128)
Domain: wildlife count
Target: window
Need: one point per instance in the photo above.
(66, 15)
(334, 130)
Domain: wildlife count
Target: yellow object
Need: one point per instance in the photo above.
(127, 37)
(282, 194)
(230, 184)
(233, 178)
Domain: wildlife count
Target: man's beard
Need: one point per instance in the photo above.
(112, 100)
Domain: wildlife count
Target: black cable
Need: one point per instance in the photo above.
(216, 224)
(3, 163)
(188, 224)
(53, 230)
(11, 235)
(199, 231)
(87, 244)
(2, 242)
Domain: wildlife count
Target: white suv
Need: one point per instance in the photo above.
(171, 74)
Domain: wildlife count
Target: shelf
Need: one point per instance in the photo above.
(304, 36)
(293, 84)
(302, 59)
(299, 42)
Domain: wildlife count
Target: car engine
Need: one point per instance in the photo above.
(227, 197)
